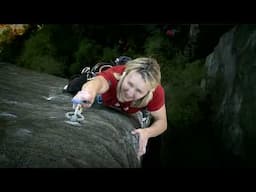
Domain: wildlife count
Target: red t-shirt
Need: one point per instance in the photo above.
(109, 98)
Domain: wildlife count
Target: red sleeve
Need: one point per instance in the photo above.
(158, 99)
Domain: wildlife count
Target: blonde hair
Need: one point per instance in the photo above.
(150, 72)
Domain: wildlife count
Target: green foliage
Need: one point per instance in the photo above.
(38, 45)
(131, 53)
(88, 53)
(153, 45)
(158, 46)
(75, 68)
(8, 52)
(109, 54)
(47, 64)
(40, 54)
(10, 46)
(172, 67)
(64, 39)
(5, 36)
(183, 93)
(11, 42)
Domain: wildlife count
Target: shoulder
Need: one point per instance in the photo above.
(109, 73)
(158, 94)
(114, 69)
(118, 68)
(158, 99)
(159, 91)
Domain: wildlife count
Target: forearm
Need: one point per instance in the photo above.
(157, 128)
(90, 89)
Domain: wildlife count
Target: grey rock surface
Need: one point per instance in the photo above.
(34, 134)
(231, 77)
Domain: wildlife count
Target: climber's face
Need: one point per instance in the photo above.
(133, 87)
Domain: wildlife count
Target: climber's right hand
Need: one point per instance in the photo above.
(84, 97)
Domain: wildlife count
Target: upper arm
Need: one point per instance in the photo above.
(107, 79)
(104, 85)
